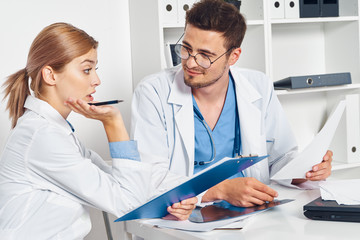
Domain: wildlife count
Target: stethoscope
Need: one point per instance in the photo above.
(236, 151)
(202, 120)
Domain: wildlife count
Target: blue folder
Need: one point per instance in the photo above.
(225, 168)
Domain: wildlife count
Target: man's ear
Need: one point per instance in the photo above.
(48, 75)
(234, 56)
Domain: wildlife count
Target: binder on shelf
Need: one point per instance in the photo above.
(183, 6)
(292, 9)
(309, 8)
(329, 8)
(197, 184)
(169, 12)
(310, 81)
(346, 143)
(352, 128)
(236, 3)
(277, 8)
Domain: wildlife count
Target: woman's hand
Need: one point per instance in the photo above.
(101, 113)
(182, 210)
(108, 115)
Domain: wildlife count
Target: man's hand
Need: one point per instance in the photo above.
(319, 171)
(322, 170)
(242, 192)
(182, 210)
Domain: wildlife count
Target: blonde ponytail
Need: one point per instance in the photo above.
(16, 90)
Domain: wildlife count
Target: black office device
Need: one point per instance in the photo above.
(174, 58)
(310, 81)
(331, 211)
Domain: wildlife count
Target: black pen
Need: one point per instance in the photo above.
(106, 102)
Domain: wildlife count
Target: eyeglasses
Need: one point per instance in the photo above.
(201, 59)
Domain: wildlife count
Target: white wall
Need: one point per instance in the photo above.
(107, 21)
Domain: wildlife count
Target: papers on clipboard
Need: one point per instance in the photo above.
(315, 151)
(225, 168)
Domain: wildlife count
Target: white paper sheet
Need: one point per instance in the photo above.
(315, 151)
(199, 227)
(342, 191)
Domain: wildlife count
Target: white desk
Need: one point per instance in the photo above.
(282, 222)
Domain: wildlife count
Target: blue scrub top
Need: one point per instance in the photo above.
(223, 134)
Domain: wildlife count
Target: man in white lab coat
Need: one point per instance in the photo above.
(188, 117)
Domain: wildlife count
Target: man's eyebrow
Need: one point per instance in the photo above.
(208, 52)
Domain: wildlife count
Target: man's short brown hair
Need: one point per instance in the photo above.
(218, 16)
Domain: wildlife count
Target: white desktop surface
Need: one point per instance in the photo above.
(282, 222)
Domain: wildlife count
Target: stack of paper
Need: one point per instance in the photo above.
(342, 191)
(198, 227)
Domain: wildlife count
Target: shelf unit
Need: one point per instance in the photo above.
(278, 47)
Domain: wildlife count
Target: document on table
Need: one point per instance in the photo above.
(342, 191)
(315, 151)
(198, 227)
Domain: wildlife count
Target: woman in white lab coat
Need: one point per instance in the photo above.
(47, 177)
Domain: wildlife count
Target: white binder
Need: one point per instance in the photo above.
(346, 143)
(277, 8)
(169, 11)
(292, 9)
(352, 128)
(183, 6)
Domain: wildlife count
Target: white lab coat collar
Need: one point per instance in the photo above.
(249, 116)
(181, 98)
(47, 111)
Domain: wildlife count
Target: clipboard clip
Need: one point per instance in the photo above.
(246, 156)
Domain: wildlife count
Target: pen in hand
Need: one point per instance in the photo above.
(106, 102)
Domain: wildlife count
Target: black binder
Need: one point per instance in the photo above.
(319, 8)
(310, 81)
(329, 8)
(309, 8)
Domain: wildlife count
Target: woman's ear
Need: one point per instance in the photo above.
(48, 75)
(234, 56)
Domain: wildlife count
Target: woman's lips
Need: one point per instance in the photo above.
(90, 98)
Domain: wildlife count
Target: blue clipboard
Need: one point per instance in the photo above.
(225, 168)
